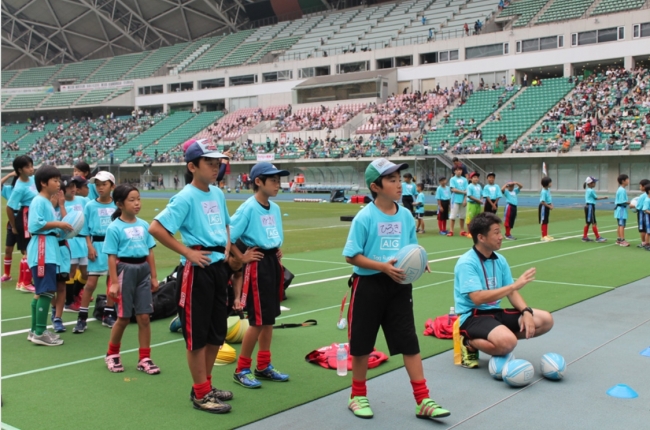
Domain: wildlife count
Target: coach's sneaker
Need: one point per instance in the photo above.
(114, 363)
(246, 379)
(360, 407)
(601, 240)
(511, 237)
(469, 359)
(58, 326)
(108, 321)
(46, 340)
(587, 239)
(211, 404)
(429, 409)
(5, 278)
(80, 327)
(271, 374)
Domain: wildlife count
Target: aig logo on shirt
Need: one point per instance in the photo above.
(272, 233)
(389, 244)
(392, 229)
(211, 209)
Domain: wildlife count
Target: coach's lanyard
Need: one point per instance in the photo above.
(487, 283)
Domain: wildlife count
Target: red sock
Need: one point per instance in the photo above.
(144, 353)
(28, 274)
(243, 363)
(202, 389)
(544, 230)
(21, 272)
(507, 231)
(210, 379)
(586, 231)
(595, 230)
(359, 388)
(420, 390)
(113, 349)
(8, 265)
(263, 359)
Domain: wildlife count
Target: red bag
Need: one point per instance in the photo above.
(326, 357)
(442, 327)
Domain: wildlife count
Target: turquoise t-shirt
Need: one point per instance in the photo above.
(409, 189)
(477, 273)
(646, 204)
(640, 202)
(92, 192)
(493, 192)
(473, 191)
(460, 183)
(128, 240)
(545, 196)
(22, 194)
(379, 236)
(419, 209)
(621, 203)
(443, 193)
(78, 246)
(97, 218)
(6, 191)
(511, 196)
(201, 217)
(590, 196)
(41, 212)
(257, 226)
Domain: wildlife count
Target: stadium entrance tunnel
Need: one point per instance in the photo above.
(595, 67)
(347, 86)
(546, 72)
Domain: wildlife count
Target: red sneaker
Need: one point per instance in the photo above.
(450, 234)
(462, 233)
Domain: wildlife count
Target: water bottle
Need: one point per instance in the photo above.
(452, 314)
(342, 360)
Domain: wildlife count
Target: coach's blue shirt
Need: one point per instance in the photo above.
(409, 189)
(22, 194)
(493, 192)
(419, 209)
(460, 183)
(511, 196)
(470, 276)
(473, 191)
(545, 196)
(590, 196)
(201, 217)
(97, 218)
(257, 226)
(443, 193)
(128, 240)
(621, 203)
(41, 212)
(379, 236)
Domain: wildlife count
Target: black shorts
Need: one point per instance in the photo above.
(21, 240)
(418, 215)
(265, 279)
(202, 307)
(481, 323)
(407, 201)
(378, 301)
(590, 213)
(510, 215)
(543, 214)
(11, 239)
(443, 215)
(487, 207)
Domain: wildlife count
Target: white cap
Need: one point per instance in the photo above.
(102, 176)
(590, 180)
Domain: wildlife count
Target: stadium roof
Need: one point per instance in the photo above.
(45, 32)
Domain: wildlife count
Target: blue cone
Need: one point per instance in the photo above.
(622, 391)
(646, 352)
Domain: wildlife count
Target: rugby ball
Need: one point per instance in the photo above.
(76, 220)
(518, 373)
(633, 204)
(495, 366)
(412, 259)
(553, 366)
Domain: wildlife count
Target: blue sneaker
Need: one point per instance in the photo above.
(443, 233)
(587, 239)
(601, 240)
(58, 325)
(175, 325)
(80, 327)
(271, 374)
(246, 379)
(511, 237)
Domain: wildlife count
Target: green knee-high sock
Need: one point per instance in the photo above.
(42, 310)
(34, 300)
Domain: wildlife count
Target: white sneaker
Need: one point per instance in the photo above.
(547, 239)
(46, 340)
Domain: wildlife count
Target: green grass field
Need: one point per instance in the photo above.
(73, 385)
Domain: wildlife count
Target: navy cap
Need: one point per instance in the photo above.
(79, 181)
(199, 148)
(267, 169)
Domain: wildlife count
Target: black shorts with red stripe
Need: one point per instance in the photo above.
(482, 322)
(443, 215)
(202, 304)
(23, 237)
(264, 288)
(510, 215)
(378, 301)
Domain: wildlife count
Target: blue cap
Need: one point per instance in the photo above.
(201, 149)
(267, 169)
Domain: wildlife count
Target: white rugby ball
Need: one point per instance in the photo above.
(518, 373)
(495, 366)
(553, 366)
(76, 220)
(412, 259)
(633, 204)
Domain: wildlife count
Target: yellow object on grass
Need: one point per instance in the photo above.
(226, 355)
(236, 329)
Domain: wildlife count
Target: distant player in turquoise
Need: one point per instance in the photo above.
(492, 194)
(482, 278)
(458, 185)
(10, 237)
(97, 214)
(43, 255)
(409, 192)
(419, 209)
(83, 169)
(620, 212)
(18, 206)
(545, 207)
(511, 192)
(590, 210)
(645, 210)
(474, 199)
(78, 247)
(642, 227)
(443, 196)
(257, 224)
(132, 271)
(378, 298)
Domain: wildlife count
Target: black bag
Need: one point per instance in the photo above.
(288, 277)
(100, 304)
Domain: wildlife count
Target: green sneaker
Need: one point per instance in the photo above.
(360, 406)
(468, 359)
(429, 409)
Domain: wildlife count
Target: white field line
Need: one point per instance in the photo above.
(573, 285)
(29, 316)
(11, 333)
(318, 228)
(315, 261)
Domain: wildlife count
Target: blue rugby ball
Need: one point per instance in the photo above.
(495, 366)
(76, 220)
(412, 259)
(518, 373)
(553, 366)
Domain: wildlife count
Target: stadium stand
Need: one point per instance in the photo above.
(94, 97)
(614, 6)
(8, 75)
(115, 68)
(524, 10)
(62, 99)
(241, 54)
(404, 112)
(562, 10)
(25, 101)
(36, 77)
(155, 61)
(78, 71)
(275, 45)
(476, 10)
(218, 51)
